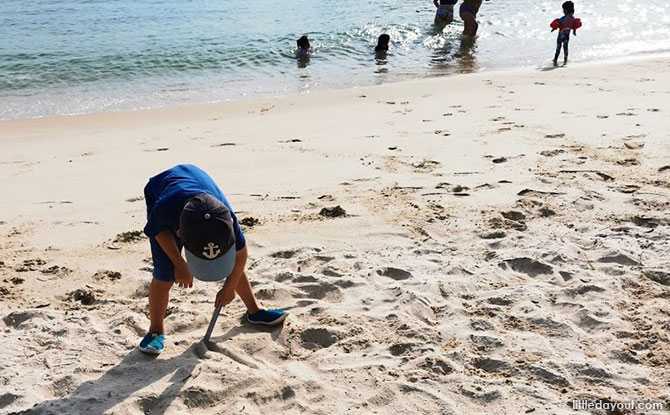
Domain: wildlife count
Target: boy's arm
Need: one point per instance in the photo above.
(227, 293)
(182, 275)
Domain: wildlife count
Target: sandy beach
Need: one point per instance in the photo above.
(504, 247)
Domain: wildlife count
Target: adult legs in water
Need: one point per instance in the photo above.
(470, 23)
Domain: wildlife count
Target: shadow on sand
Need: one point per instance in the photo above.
(137, 371)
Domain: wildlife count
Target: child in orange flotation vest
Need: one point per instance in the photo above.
(564, 25)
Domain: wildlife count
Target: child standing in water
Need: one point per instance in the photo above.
(445, 11)
(383, 43)
(564, 25)
(303, 47)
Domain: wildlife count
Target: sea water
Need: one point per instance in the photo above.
(80, 56)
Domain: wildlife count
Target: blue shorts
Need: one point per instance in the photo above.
(163, 267)
(445, 13)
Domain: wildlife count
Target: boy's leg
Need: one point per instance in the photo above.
(558, 49)
(565, 50)
(159, 296)
(246, 293)
(159, 290)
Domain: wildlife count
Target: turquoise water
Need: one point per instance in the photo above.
(80, 56)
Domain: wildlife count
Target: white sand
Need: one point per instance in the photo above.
(505, 250)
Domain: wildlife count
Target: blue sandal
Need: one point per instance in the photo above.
(152, 343)
(268, 317)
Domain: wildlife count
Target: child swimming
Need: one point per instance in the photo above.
(304, 47)
(445, 11)
(564, 25)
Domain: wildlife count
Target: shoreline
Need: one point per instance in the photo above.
(643, 56)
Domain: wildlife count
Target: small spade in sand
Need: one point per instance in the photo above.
(201, 349)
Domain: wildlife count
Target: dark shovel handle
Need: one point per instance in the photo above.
(212, 322)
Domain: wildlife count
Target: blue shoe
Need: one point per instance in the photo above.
(268, 317)
(152, 343)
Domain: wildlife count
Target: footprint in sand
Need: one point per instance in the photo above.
(648, 222)
(628, 162)
(491, 365)
(30, 265)
(618, 258)
(333, 212)
(486, 343)
(459, 190)
(81, 295)
(658, 276)
(633, 145)
(548, 377)
(400, 349)
(249, 222)
(107, 275)
(479, 395)
(284, 254)
(56, 270)
(394, 273)
(197, 397)
(322, 290)
(16, 280)
(513, 216)
(551, 153)
(527, 266)
(494, 235)
(320, 338)
(157, 149)
(481, 325)
(129, 237)
(437, 366)
(628, 188)
(223, 145)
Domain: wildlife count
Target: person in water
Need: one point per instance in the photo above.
(468, 12)
(564, 25)
(445, 11)
(304, 47)
(383, 43)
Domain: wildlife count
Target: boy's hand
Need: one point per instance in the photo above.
(182, 276)
(225, 296)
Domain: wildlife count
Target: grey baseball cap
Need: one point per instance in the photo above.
(206, 228)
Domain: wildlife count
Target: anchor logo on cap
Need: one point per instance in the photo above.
(211, 251)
